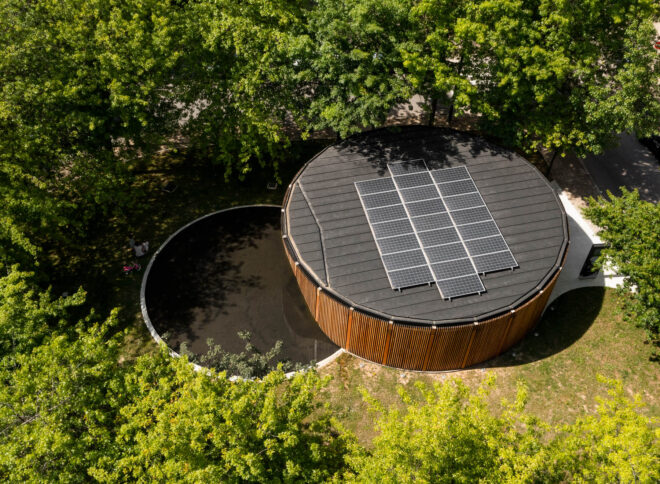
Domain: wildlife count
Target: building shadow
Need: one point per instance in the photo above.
(564, 322)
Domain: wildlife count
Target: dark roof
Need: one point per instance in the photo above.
(328, 230)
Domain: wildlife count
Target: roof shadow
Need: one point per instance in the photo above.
(438, 147)
(564, 322)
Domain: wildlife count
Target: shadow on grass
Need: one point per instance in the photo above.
(566, 320)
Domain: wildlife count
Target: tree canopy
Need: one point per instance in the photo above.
(91, 89)
(453, 436)
(630, 227)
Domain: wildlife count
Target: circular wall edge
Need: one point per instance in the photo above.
(143, 285)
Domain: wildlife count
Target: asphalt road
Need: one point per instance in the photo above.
(630, 165)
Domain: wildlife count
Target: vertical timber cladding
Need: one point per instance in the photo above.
(450, 347)
(527, 316)
(332, 317)
(368, 337)
(418, 347)
(307, 287)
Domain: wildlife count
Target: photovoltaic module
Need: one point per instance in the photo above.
(433, 226)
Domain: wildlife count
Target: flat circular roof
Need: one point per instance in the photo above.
(325, 226)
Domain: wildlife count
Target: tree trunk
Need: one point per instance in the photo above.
(434, 109)
(552, 160)
(450, 116)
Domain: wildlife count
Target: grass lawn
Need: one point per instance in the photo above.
(583, 335)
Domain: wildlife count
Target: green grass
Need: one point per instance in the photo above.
(583, 335)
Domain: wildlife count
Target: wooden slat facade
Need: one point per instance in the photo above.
(368, 337)
(412, 347)
(333, 318)
(307, 287)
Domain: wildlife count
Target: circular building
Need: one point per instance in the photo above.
(423, 248)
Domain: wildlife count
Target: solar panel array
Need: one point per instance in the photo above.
(433, 226)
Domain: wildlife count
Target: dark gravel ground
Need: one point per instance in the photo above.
(228, 273)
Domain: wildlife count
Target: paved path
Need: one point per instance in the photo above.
(583, 236)
(631, 165)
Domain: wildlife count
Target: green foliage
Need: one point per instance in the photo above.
(194, 427)
(58, 406)
(239, 87)
(83, 95)
(558, 74)
(70, 410)
(250, 363)
(356, 67)
(616, 445)
(631, 226)
(454, 437)
(27, 315)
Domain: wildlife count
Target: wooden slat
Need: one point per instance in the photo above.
(307, 288)
(332, 317)
(368, 336)
(418, 347)
(487, 340)
(408, 346)
(449, 347)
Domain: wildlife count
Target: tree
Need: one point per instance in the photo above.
(630, 227)
(239, 86)
(58, 406)
(249, 363)
(71, 410)
(188, 426)
(27, 314)
(617, 445)
(454, 436)
(562, 75)
(356, 68)
(84, 95)
(435, 55)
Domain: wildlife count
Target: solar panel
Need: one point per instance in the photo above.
(434, 221)
(433, 226)
(456, 188)
(391, 229)
(404, 167)
(478, 230)
(382, 199)
(445, 175)
(440, 253)
(480, 234)
(494, 262)
(431, 238)
(426, 207)
(413, 180)
(404, 260)
(411, 277)
(470, 215)
(374, 186)
(461, 202)
(417, 194)
(398, 244)
(460, 286)
(393, 212)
